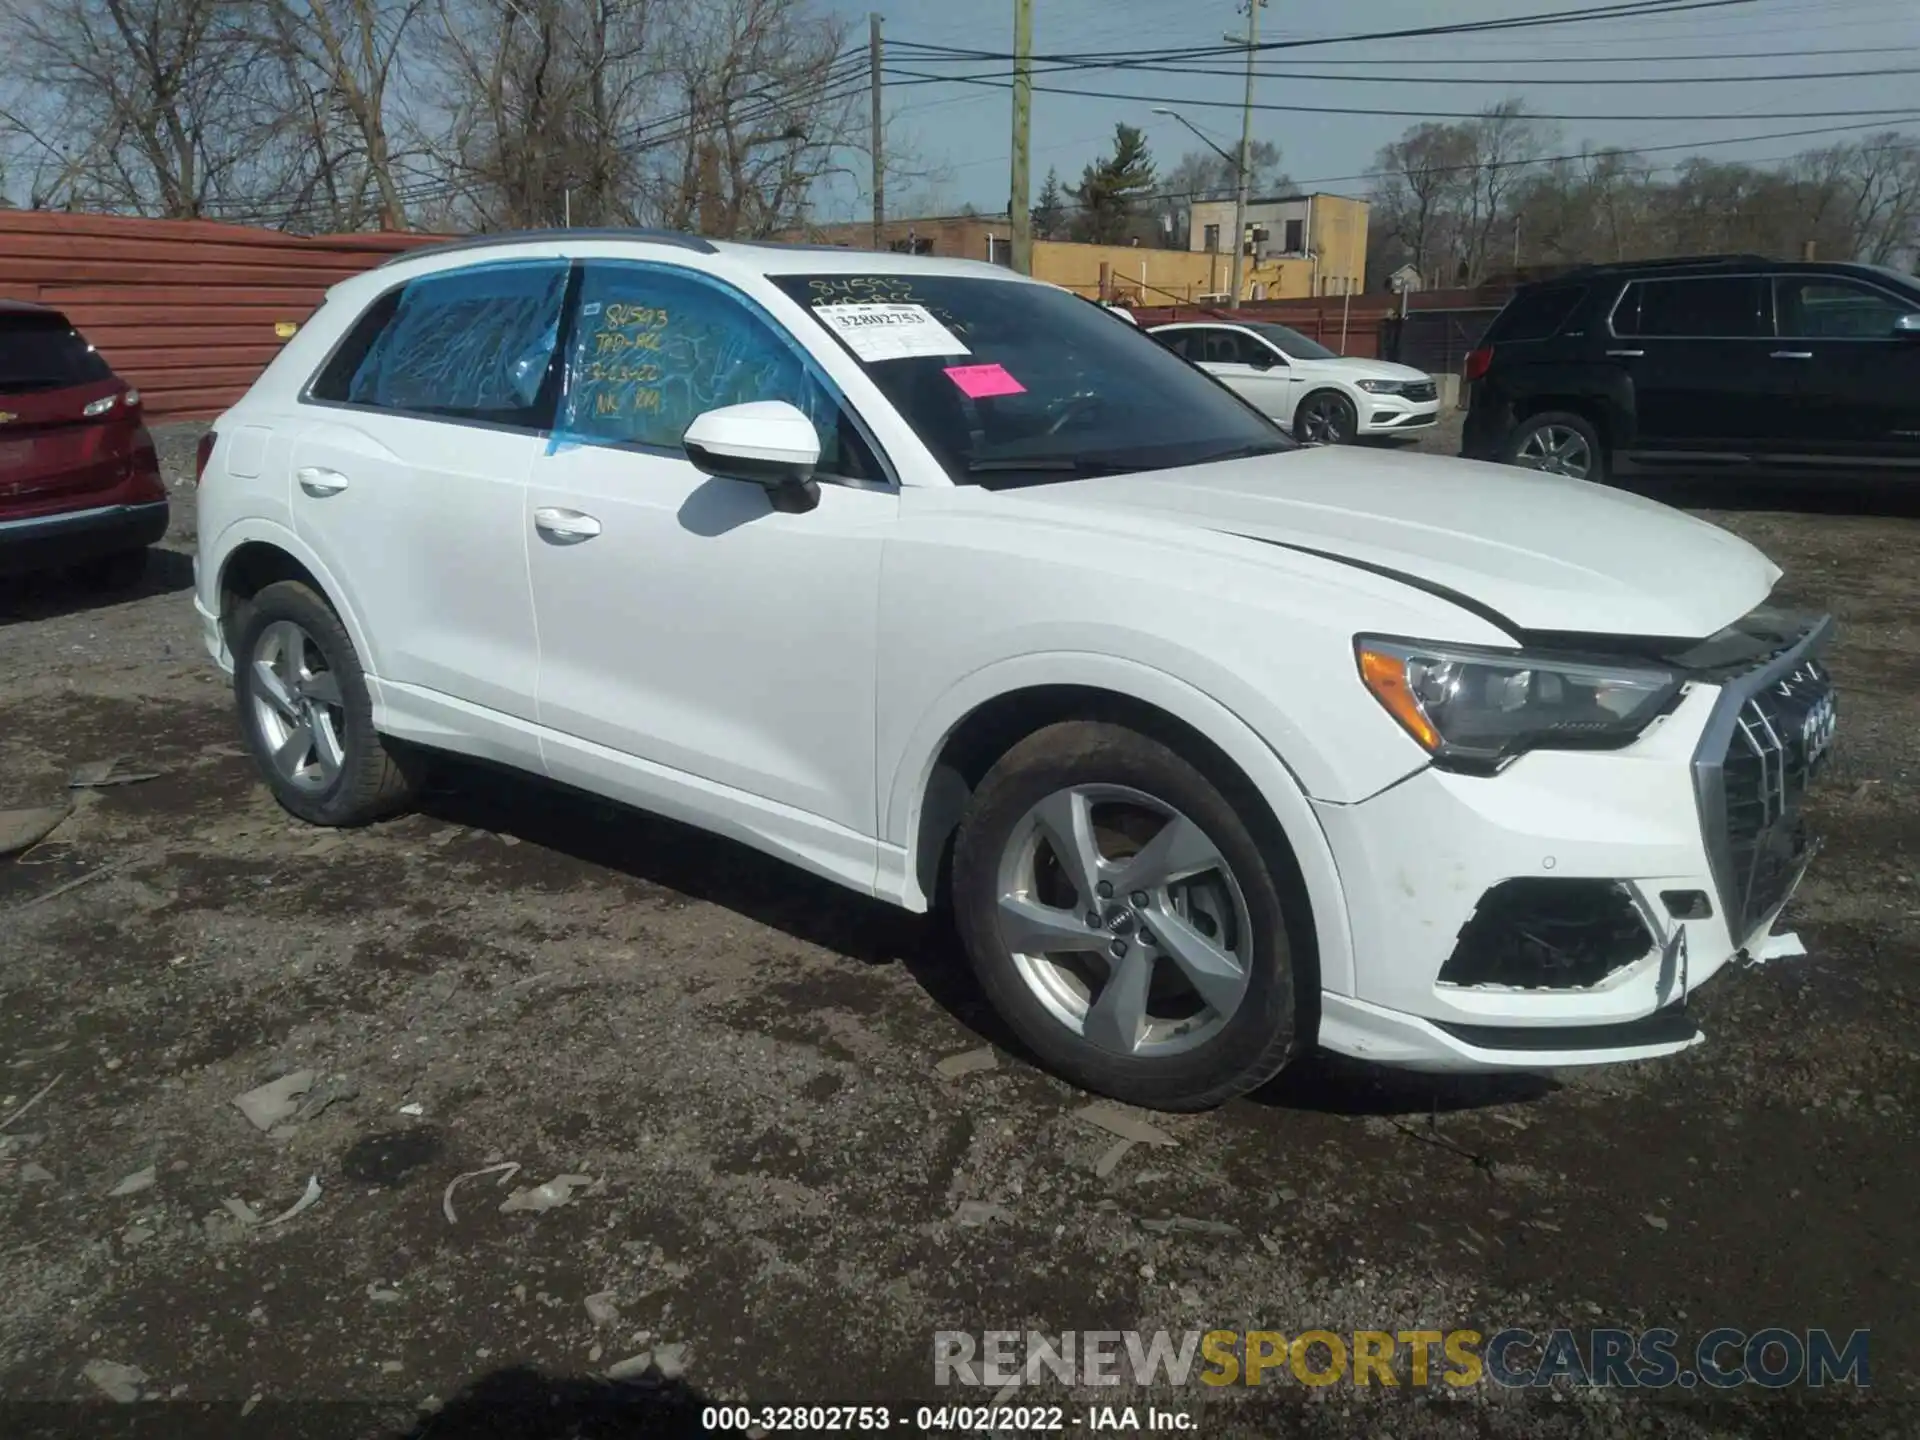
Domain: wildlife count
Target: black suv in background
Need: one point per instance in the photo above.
(1701, 363)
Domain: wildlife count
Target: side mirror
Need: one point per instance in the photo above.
(1907, 327)
(766, 442)
(1265, 360)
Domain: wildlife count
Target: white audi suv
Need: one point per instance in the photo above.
(933, 580)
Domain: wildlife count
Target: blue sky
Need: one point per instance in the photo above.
(962, 132)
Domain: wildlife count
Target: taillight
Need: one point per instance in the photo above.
(1477, 363)
(202, 454)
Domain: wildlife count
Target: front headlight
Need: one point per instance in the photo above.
(1380, 387)
(1476, 709)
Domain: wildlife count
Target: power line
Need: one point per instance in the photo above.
(1485, 80)
(1391, 114)
(1120, 60)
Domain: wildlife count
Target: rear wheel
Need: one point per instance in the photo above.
(1557, 442)
(306, 714)
(1124, 921)
(1326, 417)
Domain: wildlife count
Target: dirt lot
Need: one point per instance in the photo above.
(743, 1060)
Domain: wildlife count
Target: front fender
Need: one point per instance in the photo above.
(905, 789)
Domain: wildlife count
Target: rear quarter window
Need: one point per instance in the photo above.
(45, 352)
(1536, 314)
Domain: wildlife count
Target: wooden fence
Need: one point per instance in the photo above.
(183, 309)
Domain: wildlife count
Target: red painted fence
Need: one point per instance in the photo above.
(183, 309)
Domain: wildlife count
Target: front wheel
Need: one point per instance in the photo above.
(306, 714)
(1326, 417)
(1124, 921)
(1557, 442)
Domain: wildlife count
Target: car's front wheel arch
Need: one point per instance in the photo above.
(996, 726)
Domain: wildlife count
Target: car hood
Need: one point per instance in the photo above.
(1533, 552)
(1355, 368)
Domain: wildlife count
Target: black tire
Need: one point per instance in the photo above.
(121, 570)
(375, 777)
(1261, 1035)
(1536, 432)
(1343, 419)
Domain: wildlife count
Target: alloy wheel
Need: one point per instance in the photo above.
(298, 706)
(1323, 420)
(1124, 920)
(1557, 450)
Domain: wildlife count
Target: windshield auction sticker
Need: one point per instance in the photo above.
(889, 332)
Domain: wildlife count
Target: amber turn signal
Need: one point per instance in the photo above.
(1386, 677)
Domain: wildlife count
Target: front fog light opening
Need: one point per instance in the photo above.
(1539, 934)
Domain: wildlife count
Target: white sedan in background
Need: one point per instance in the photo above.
(1321, 398)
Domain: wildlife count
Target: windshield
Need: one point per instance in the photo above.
(1013, 384)
(1296, 345)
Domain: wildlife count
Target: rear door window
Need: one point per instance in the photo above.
(475, 344)
(44, 352)
(1536, 314)
(1731, 307)
(1819, 308)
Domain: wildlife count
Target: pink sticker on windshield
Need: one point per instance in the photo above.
(982, 382)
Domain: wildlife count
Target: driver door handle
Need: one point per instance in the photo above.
(565, 527)
(1629, 354)
(1793, 355)
(320, 482)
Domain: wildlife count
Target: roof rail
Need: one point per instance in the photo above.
(1669, 262)
(521, 237)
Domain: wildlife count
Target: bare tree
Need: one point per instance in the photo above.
(343, 54)
(129, 104)
(1421, 177)
(766, 105)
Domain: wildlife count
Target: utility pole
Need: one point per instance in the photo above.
(878, 126)
(1246, 159)
(1019, 220)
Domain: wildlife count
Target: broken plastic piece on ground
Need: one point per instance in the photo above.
(1117, 1122)
(306, 1202)
(601, 1310)
(550, 1196)
(326, 1092)
(415, 1108)
(267, 1105)
(117, 1382)
(33, 1100)
(241, 1210)
(1175, 1224)
(136, 1182)
(95, 773)
(506, 1170)
(967, 1063)
(979, 1212)
(1783, 946)
(23, 829)
(1110, 1161)
(33, 1173)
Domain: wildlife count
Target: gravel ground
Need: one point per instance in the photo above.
(788, 1198)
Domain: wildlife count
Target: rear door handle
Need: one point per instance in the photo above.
(320, 482)
(1793, 354)
(565, 527)
(1629, 354)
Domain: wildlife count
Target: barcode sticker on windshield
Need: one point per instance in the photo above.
(889, 332)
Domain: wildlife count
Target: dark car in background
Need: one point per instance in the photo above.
(1702, 364)
(80, 484)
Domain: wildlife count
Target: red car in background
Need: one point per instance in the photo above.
(80, 484)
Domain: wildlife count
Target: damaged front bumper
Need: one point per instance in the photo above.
(1562, 912)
